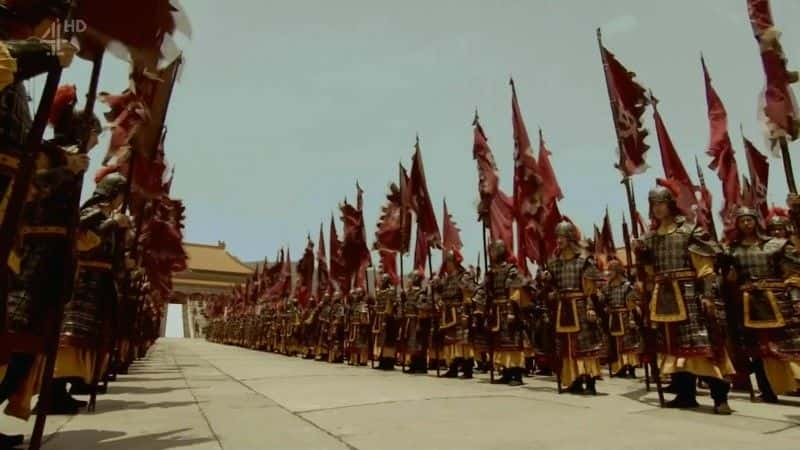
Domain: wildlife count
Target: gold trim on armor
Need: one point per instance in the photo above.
(45, 230)
(667, 318)
(572, 298)
(95, 265)
(779, 322)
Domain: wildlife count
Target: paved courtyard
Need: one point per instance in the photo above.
(191, 394)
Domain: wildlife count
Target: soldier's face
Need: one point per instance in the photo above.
(746, 224)
(661, 210)
(562, 241)
(779, 232)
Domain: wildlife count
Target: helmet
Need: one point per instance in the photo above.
(777, 221)
(111, 185)
(660, 194)
(499, 250)
(567, 229)
(744, 211)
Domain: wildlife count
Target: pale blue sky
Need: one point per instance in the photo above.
(283, 105)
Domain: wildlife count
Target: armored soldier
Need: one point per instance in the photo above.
(310, 329)
(684, 309)
(44, 252)
(620, 301)
(455, 290)
(87, 317)
(767, 272)
(384, 324)
(337, 333)
(416, 326)
(323, 330)
(359, 328)
(579, 338)
(291, 322)
(498, 301)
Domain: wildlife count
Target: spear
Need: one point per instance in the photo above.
(711, 223)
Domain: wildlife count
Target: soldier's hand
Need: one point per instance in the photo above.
(708, 306)
(77, 163)
(591, 316)
(547, 276)
(122, 220)
(638, 245)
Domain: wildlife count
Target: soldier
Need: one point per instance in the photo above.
(573, 274)
(359, 328)
(323, 332)
(498, 301)
(620, 303)
(43, 253)
(384, 324)
(416, 325)
(455, 291)
(684, 309)
(767, 272)
(310, 333)
(87, 316)
(337, 332)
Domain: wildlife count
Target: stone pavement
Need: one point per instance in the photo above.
(191, 394)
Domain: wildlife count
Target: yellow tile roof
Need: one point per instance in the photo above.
(203, 283)
(214, 258)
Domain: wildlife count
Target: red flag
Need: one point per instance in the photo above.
(759, 175)
(452, 234)
(390, 233)
(550, 216)
(673, 166)
(421, 201)
(747, 194)
(389, 265)
(305, 274)
(527, 188)
(421, 249)
(323, 277)
(161, 241)
(496, 209)
(283, 285)
(607, 236)
(720, 148)
(629, 102)
(338, 271)
(778, 107)
(355, 252)
(551, 191)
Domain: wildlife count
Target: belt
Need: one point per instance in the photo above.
(572, 295)
(44, 230)
(9, 161)
(680, 274)
(95, 264)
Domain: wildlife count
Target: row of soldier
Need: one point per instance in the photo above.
(61, 247)
(696, 311)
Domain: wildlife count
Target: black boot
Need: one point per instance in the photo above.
(576, 387)
(767, 394)
(516, 376)
(452, 369)
(505, 377)
(631, 372)
(590, 385)
(466, 366)
(719, 392)
(685, 385)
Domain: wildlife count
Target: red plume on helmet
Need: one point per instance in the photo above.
(777, 211)
(65, 99)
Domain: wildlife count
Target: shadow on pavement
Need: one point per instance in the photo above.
(107, 440)
(121, 389)
(132, 379)
(104, 406)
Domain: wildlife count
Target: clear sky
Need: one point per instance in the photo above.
(284, 105)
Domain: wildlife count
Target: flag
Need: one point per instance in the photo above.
(777, 105)
(389, 265)
(305, 274)
(551, 191)
(451, 237)
(720, 148)
(323, 277)
(355, 252)
(338, 271)
(527, 188)
(421, 250)
(548, 216)
(496, 209)
(421, 201)
(673, 166)
(392, 228)
(758, 167)
(628, 101)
